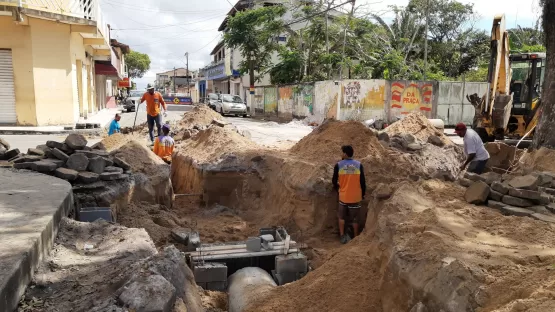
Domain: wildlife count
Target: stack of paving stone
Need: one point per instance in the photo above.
(73, 161)
(531, 195)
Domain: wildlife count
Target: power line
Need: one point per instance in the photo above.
(206, 44)
(168, 25)
(146, 9)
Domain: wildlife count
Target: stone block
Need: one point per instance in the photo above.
(291, 263)
(543, 217)
(54, 144)
(545, 199)
(45, 166)
(465, 182)
(490, 177)
(414, 146)
(47, 150)
(94, 153)
(67, 174)
(5, 164)
(35, 152)
(435, 140)
(210, 272)
(539, 209)
(517, 202)
(78, 162)
(501, 187)
(194, 241)
(148, 293)
(545, 178)
(99, 146)
(56, 152)
(550, 207)
(26, 158)
(496, 196)
(516, 211)
(547, 190)
(383, 136)
(96, 165)
(91, 214)
(87, 177)
(477, 193)
(527, 182)
(12, 153)
(59, 163)
(76, 141)
(113, 169)
(66, 149)
(123, 176)
(254, 244)
(108, 162)
(110, 176)
(121, 163)
(474, 177)
(5, 144)
(25, 165)
(181, 235)
(495, 204)
(526, 194)
(216, 286)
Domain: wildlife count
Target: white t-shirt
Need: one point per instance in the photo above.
(473, 145)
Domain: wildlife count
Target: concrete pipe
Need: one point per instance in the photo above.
(437, 123)
(247, 285)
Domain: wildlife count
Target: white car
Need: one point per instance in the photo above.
(132, 100)
(231, 105)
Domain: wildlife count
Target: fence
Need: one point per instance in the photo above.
(367, 99)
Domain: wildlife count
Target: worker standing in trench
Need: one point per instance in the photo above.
(153, 102)
(476, 154)
(348, 179)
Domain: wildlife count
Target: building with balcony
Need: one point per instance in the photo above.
(49, 54)
(178, 80)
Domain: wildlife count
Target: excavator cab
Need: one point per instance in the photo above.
(528, 70)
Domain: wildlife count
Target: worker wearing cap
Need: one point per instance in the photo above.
(476, 154)
(153, 102)
(163, 145)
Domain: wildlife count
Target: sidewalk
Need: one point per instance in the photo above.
(102, 118)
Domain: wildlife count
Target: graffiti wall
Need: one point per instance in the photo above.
(259, 101)
(362, 99)
(411, 96)
(303, 103)
(285, 102)
(270, 102)
(325, 100)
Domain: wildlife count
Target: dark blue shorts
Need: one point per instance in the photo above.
(477, 166)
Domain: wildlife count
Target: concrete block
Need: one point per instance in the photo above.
(91, 214)
(518, 202)
(292, 263)
(181, 235)
(254, 244)
(495, 204)
(216, 286)
(285, 278)
(516, 211)
(526, 194)
(543, 217)
(210, 272)
(496, 196)
(464, 182)
(194, 241)
(477, 193)
(527, 182)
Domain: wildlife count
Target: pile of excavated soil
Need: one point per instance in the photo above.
(201, 115)
(141, 159)
(214, 301)
(115, 141)
(417, 125)
(427, 247)
(538, 160)
(503, 157)
(215, 142)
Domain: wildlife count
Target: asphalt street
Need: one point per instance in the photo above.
(175, 112)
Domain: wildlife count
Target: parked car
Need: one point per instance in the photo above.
(212, 99)
(132, 100)
(231, 105)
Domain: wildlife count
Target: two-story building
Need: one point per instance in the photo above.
(49, 51)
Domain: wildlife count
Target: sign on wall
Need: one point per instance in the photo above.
(216, 72)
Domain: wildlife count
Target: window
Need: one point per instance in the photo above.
(232, 99)
(282, 39)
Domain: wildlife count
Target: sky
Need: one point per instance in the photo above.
(167, 29)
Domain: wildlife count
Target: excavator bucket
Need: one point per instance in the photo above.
(502, 110)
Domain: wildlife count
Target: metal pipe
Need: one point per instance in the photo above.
(246, 286)
(243, 255)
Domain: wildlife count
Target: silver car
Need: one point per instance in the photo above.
(132, 101)
(231, 105)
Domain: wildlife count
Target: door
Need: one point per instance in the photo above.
(7, 89)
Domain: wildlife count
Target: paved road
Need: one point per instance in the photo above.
(271, 133)
(175, 112)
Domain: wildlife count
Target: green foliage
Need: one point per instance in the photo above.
(137, 64)
(289, 69)
(254, 33)
(479, 74)
(524, 40)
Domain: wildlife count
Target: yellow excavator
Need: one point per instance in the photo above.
(511, 107)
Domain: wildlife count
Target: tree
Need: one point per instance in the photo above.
(544, 135)
(137, 64)
(524, 39)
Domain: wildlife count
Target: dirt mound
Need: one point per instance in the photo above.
(215, 142)
(115, 141)
(201, 115)
(417, 125)
(538, 160)
(427, 247)
(140, 158)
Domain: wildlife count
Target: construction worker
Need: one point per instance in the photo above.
(163, 145)
(153, 102)
(348, 179)
(476, 154)
(114, 125)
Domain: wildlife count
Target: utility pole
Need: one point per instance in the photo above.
(174, 80)
(345, 38)
(188, 86)
(426, 39)
(250, 59)
(328, 40)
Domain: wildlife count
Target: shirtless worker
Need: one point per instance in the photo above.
(348, 179)
(153, 102)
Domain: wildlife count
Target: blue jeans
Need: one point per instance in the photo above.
(150, 121)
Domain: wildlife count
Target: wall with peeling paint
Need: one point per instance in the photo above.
(363, 99)
(325, 100)
(285, 103)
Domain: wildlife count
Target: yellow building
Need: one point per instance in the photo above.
(48, 50)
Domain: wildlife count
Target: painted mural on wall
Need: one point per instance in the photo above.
(408, 97)
(361, 100)
(303, 105)
(270, 101)
(285, 102)
(325, 100)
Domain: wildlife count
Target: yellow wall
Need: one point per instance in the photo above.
(52, 72)
(18, 39)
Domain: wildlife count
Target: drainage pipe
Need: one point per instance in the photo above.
(246, 285)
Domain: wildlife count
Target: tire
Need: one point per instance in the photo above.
(245, 116)
(221, 111)
(129, 110)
